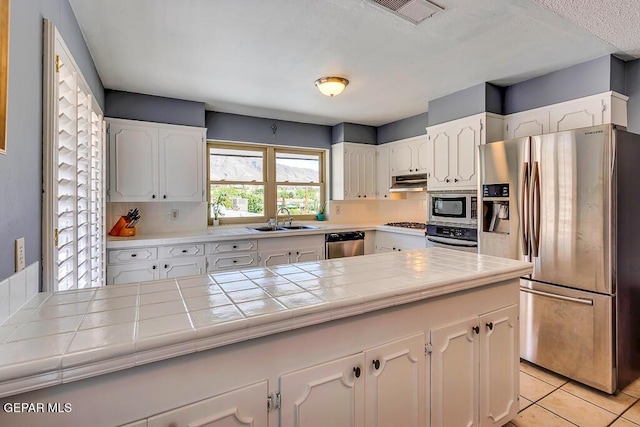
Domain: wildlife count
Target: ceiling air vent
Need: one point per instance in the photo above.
(414, 11)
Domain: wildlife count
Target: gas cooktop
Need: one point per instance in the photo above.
(414, 225)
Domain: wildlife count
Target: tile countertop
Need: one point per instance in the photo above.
(230, 232)
(66, 336)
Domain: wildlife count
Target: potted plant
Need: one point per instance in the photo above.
(321, 211)
(217, 208)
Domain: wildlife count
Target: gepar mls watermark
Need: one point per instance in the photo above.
(41, 407)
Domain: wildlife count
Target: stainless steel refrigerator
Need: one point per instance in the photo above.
(569, 202)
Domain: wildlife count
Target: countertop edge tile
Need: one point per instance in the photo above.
(105, 366)
(166, 352)
(30, 383)
(98, 354)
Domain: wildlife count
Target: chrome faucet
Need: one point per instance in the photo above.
(281, 210)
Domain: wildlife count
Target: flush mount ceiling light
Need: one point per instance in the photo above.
(331, 86)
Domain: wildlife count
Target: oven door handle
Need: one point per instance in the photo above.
(452, 242)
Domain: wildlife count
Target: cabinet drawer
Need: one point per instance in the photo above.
(181, 250)
(227, 262)
(232, 246)
(132, 255)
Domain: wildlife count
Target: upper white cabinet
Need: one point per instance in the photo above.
(354, 171)
(410, 156)
(155, 162)
(455, 150)
(383, 179)
(608, 107)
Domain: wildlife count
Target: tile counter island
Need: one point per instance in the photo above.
(347, 341)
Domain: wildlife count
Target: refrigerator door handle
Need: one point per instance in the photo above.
(524, 215)
(535, 210)
(560, 297)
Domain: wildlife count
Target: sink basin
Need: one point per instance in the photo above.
(283, 228)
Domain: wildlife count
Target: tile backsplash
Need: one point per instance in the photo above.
(18, 289)
(156, 217)
(413, 208)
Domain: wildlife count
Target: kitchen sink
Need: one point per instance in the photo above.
(283, 228)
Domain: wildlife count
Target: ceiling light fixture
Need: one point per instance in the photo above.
(331, 86)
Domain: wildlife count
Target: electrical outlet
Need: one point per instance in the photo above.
(20, 255)
(338, 210)
(175, 214)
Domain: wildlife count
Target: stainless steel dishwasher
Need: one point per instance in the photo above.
(339, 245)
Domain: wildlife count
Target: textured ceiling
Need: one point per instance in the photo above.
(261, 58)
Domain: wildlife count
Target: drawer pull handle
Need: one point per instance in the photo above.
(184, 251)
(134, 255)
(356, 371)
(235, 246)
(235, 260)
(376, 364)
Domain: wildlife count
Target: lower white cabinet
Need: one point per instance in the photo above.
(242, 407)
(382, 386)
(472, 370)
(386, 241)
(172, 268)
(288, 250)
(232, 255)
(132, 272)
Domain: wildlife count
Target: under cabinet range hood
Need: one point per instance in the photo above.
(408, 183)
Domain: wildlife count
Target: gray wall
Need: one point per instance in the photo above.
(234, 127)
(136, 106)
(588, 78)
(633, 92)
(351, 132)
(459, 104)
(21, 167)
(405, 128)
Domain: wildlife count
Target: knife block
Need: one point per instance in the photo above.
(120, 229)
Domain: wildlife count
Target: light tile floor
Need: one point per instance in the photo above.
(550, 400)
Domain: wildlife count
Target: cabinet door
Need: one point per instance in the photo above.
(132, 273)
(454, 374)
(181, 165)
(368, 172)
(463, 152)
(133, 163)
(526, 124)
(441, 140)
(324, 395)
(424, 156)
(182, 267)
(396, 384)
(383, 179)
(352, 172)
(243, 407)
(233, 261)
(271, 258)
(306, 255)
(499, 369)
(402, 155)
(577, 115)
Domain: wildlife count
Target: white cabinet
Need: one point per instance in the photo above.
(152, 263)
(383, 170)
(330, 394)
(242, 407)
(232, 255)
(473, 363)
(383, 386)
(608, 107)
(288, 250)
(354, 171)
(386, 241)
(155, 162)
(410, 156)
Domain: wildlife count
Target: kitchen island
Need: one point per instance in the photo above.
(349, 339)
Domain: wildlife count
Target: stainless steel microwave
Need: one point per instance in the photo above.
(457, 208)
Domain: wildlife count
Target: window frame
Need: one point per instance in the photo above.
(270, 184)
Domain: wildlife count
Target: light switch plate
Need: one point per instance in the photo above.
(175, 214)
(20, 255)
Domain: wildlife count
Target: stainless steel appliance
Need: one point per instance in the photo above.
(453, 237)
(568, 202)
(406, 224)
(339, 245)
(459, 208)
(408, 183)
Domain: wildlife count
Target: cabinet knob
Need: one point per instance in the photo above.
(385, 195)
(359, 195)
(410, 170)
(134, 255)
(394, 249)
(164, 197)
(456, 180)
(365, 196)
(235, 246)
(447, 180)
(417, 169)
(376, 364)
(490, 326)
(356, 371)
(235, 260)
(476, 329)
(166, 266)
(184, 251)
(153, 196)
(297, 253)
(153, 267)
